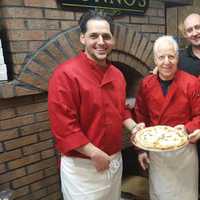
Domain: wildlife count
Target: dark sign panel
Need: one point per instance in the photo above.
(138, 6)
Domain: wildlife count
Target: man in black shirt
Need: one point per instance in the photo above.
(189, 60)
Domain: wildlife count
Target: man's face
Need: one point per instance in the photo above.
(192, 29)
(166, 60)
(98, 40)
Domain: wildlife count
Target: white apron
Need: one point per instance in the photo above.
(81, 181)
(174, 175)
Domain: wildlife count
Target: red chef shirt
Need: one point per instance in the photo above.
(87, 104)
(181, 105)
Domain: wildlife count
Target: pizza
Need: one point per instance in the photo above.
(160, 138)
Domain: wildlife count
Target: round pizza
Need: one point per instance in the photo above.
(160, 138)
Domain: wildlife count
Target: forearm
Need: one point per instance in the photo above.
(129, 124)
(88, 149)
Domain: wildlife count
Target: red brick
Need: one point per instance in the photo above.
(37, 147)
(6, 90)
(12, 3)
(44, 135)
(20, 142)
(53, 196)
(1, 147)
(18, 58)
(23, 161)
(2, 168)
(150, 28)
(53, 188)
(50, 34)
(16, 122)
(16, 70)
(26, 180)
(35, 128)
(41, 165)
(21, 12)
(23, 91)
(31, 108)
(56, 53)
(23, 35)
(36, 24)
(52, 24)
(47, 61)
(35, 195)
(51, 171)
(48, 153)
(7, 113)
(9, 176)
(21, 192)
(44, 182)
(18, 46)
(39, 70)
(34, 80)
(11, 24)
(10, 155)
(68, 24)
(58, 14)
(39, 3)
(34, 45)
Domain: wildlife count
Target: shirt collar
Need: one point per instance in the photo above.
(94, 65)
(106, 72)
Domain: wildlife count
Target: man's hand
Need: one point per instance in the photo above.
(181, 127)
(194, 137)
(144, 160)
(137, 128)
(100, 160)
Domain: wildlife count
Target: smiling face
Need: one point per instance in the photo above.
(192, 29)
(98, 40)
(166, 60)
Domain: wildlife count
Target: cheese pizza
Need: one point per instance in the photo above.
(160, 138)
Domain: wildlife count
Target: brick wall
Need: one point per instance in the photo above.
(27, 160)
(27, 157)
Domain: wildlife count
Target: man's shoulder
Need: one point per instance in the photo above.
(149, 81)
(69, 64)
(149, 78)
(187, 79)
(115, 69)
(187, 76)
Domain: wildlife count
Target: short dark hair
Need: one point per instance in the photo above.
(92, 14)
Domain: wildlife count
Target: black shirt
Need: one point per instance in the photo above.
(165, 85)
(188, 62)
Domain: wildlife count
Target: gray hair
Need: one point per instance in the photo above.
(165, 39)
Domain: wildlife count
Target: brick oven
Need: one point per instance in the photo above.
(36, 37)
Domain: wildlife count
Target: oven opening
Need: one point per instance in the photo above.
(134, 179)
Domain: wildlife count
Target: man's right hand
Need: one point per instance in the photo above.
(100, 160)
(144, 160)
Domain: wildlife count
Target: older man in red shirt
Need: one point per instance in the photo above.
(87, 113)
(172, 97)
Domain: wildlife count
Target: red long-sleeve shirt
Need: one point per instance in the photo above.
(87, 104)
(181, 105)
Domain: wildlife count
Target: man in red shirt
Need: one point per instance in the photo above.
(87, 112)
(170, 97)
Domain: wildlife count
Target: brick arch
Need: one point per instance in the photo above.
(33, 78)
